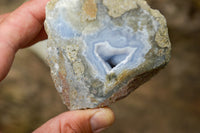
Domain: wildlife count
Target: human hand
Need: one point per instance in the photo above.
(19, 29)
(24, 27)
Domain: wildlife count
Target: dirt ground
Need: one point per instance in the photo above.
(168, 103)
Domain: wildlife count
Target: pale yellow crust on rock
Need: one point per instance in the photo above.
(119, 7)
(89, 10)
(51, 4)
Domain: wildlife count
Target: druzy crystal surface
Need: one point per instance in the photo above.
(101, 50)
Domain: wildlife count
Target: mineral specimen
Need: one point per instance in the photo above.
(101, 50)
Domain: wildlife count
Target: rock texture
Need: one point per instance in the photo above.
(101, 50)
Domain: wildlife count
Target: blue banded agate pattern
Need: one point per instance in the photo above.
(111, 48)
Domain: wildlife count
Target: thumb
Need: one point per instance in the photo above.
(82, 121)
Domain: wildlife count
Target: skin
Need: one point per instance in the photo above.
(24, 27)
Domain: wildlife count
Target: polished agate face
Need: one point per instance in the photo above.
(99, 51)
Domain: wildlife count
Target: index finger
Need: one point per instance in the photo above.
(22, 25)
(18, 29)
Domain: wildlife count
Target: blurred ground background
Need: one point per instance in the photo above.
(168, 103)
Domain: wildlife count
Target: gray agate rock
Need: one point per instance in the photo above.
(101, 50)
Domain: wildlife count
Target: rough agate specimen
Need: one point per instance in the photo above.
(101, 50)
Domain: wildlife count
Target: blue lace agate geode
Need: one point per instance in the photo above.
(101, 50)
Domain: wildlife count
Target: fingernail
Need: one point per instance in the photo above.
(102, 119)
